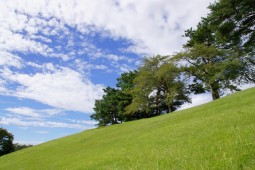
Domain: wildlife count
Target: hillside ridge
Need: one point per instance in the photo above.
(216, 135)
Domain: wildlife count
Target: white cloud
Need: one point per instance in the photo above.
(41, 132)
(101, 67)
(17, 42)
(45, 67)
(150, 27)
(24, 111)
(197, 100)
(63, 88)
(86, 122)
(49, 124)
(153, 27)
(8, 59)
(35, 113)
(246, 86)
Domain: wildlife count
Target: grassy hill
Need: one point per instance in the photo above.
(217, 135)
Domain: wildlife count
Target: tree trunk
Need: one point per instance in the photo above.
(112, 118)
(215, 92)
(170, 107)
(157, 102)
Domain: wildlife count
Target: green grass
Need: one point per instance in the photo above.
(217, 135)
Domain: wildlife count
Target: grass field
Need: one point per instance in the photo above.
(217, 135)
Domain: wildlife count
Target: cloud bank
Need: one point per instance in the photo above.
(47, 47)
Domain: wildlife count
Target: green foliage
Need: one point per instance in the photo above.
(125, 84)
(158, 88)
(233, 22)
(203, 34)
(106, 109)
(126, 81)
(212, 69)
(230, 25)
(111, 108)
(217, 135)
(18, 146)
(6, 142)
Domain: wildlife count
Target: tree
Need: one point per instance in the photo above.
(111, 108)
(229, 29)
(211, 69)
(203, 34)
(18, 146)
(125, 83)
(158, 88)
(6, 142)
(233, 22)
(175, 92)
(233, 25)
(106, 109)
(230, 25)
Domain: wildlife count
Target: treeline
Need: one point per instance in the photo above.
(218, 57)
(6, 143)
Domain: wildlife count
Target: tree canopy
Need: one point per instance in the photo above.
(233, 22)
(233, 25)
(211, 69)
(111, 108)
(6, 142)
(106, 109)
(158, 88)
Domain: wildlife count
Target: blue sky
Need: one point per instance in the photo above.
(57, 56)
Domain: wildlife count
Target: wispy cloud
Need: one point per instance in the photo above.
(35, 113)
(64, 88)
(46, 28)
(40, 123)
(151, 27)
(41, 132)
(8, 59)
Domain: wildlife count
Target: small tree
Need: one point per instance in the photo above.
(106, 109)
(18, 146)
(6, 142)
(111, 108)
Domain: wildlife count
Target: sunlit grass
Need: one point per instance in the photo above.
(217, 135)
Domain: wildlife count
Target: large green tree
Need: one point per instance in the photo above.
(158, 88)
(233, 22)
(229, 30)
(233, 25)
(111, 108)
(230, 25)
(6, 142)
(210, 69)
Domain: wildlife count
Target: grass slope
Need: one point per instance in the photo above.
(217, 135)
